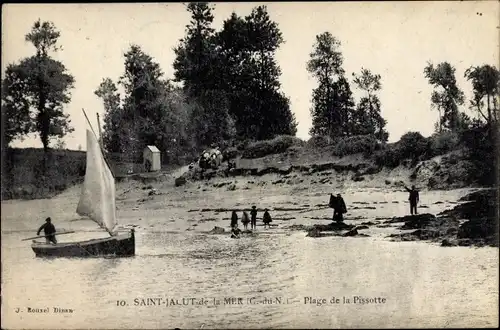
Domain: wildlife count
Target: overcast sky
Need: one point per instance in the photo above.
(393, 39)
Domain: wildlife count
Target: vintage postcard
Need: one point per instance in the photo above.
(250, 165)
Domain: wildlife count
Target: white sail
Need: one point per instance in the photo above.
(97, 200)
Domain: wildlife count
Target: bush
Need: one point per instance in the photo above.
(387, 157)
(366, 144)
(230, 153)
(442, 143)
(412, 146)
(268, 147)
(319, 141)
(25, 170)
(481, 150)
(242, 145)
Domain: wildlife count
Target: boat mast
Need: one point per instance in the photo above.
(101, 147)
(100, 132)
(99, 140)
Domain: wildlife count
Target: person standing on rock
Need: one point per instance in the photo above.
(253, 214)
(234, 220)
(413, 198)
(333, 204)
(267, 219)
(245, 220)
(339, 209)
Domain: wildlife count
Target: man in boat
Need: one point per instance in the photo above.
(413, 198)
(49, 231)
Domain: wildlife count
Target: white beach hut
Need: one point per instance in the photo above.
(151, 159)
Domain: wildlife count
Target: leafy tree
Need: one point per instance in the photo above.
(486, 84)
(250, 73)
(273, 108)
(39, 86)
(115, 130)
(60, 144)
(16, 119)
(199, 66)
(152, 112)
(332, 99)
(194, 54)
(368, 119)
(447, 96)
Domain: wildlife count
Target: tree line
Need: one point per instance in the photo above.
(225, 89)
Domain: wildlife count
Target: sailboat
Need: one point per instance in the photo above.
(97, 201)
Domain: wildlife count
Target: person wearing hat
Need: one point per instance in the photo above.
(253, 215)
(49, 231)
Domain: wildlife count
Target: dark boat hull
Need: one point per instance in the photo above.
(121, 246)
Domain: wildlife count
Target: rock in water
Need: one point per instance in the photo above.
(180, 181)
(217, 230)
(449, 242)
(352, 232)
(477, 228)
(314, 232)
(417, 221)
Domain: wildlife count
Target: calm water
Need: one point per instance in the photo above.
(424, 285)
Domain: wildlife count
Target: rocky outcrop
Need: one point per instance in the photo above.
(217, 230)
(417, 221)
(319, 230)
(180, 181)
(197, 174)
(480, 229)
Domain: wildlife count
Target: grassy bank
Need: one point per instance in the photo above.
(29, 173)
(442, 161)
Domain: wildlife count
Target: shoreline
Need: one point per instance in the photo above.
(198, 207)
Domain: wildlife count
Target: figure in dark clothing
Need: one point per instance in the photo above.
(253, 214)
(267, 219)
(234, 220)
(333, 204)
(245, 220)
(235, 232)
(413, 198)
(339, 208)
(49, 231)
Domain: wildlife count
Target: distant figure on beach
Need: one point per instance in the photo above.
(234, 220)
(235, 232)
(413, 198)
(267, 219)
(333, 202)
(245, 220)
(253, 214)
(49, 231)
(339, 209)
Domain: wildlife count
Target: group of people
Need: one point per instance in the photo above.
(246, 219)
(339, 207)
(336, 202)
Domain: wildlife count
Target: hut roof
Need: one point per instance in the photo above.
(153, 148)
